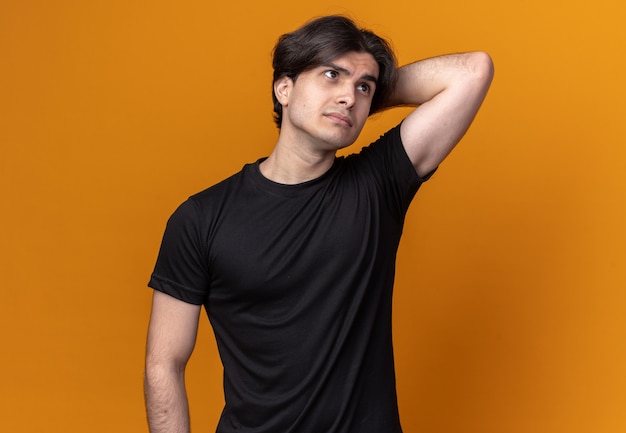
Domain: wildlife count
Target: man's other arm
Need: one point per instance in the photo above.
(171, 339)
(448, 91)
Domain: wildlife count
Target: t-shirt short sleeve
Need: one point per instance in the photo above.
(181, 269)
(394, 171)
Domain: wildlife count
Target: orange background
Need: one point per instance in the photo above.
(510, 311)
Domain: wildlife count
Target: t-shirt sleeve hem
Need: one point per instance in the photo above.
(420, 179)
(423, 179)
(177, 291)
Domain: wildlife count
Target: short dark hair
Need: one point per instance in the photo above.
(324, 39)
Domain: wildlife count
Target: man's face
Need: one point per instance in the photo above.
(327, 106)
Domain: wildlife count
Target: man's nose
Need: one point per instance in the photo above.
(346, 96)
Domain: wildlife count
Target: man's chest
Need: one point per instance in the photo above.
(269, 248)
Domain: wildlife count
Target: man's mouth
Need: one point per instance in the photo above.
(340, 118)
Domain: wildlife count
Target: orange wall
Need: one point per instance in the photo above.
(510, 304)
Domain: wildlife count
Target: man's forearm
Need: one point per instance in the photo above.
(423, 80)
(166, 400)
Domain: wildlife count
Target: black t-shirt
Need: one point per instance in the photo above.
(297, 283)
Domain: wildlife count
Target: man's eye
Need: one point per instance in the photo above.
(364, 88)
(331, 74)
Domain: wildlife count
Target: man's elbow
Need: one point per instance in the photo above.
(481, 67)
(158, 369)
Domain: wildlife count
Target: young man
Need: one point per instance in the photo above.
(293, 258)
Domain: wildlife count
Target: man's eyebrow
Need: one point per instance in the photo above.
(366, 77)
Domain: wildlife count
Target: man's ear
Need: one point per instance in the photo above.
(282, 89)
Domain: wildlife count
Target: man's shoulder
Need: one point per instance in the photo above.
(221, 188)
(207, 204)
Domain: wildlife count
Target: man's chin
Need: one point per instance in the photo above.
(341, 142)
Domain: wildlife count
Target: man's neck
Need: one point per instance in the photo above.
(291, 163)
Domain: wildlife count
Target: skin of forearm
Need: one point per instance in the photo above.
(421, 81)
(166, 400)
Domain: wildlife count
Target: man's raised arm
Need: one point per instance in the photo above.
(448, 91)
(171, 339)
